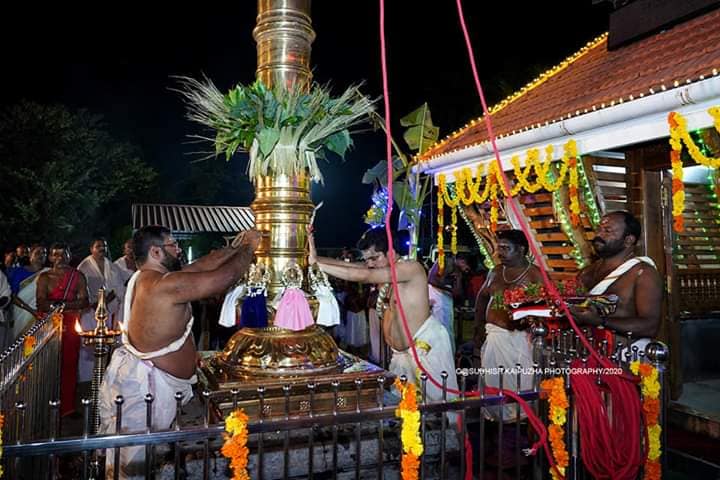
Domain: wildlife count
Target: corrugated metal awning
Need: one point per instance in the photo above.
(193, 218)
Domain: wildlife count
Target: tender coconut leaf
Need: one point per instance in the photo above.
(268, 138)
(339, 142)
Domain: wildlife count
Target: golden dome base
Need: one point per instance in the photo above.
(278, 352)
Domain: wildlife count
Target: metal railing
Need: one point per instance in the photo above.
(29, 377)
(335, 444)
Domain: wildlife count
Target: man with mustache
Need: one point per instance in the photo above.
(507, 343)
(618, 271)
(432, 342)
(158, 355)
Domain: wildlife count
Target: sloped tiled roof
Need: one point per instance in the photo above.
(193, 218)
(595, 78)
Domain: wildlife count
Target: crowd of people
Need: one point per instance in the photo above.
(158, 353)
(34, 278)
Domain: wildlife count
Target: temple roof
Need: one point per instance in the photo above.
(594, 78)
(193, 218)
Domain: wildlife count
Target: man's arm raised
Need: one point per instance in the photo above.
(313, 258)
(212, 260)
(406, 271)
(186, 286)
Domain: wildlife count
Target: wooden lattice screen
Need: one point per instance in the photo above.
(697, 252)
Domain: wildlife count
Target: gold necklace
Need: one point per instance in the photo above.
(518, 278)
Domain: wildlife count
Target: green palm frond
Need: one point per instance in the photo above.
(284, 130)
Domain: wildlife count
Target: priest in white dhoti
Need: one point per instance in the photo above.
(126, 263)
(100, 272)
(633, 279)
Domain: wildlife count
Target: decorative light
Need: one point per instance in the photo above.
(588, 197)
(548, 74)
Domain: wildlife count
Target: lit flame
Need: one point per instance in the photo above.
(78, 328)
(122, 326)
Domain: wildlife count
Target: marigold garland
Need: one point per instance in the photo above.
(57, 319)
(650, 388)
(441, 223)
(573, 192)
(554, 390)
(679, 135)
(29, 345)
(412, 445)
(468, 190)
(494, 205)
(453, 230)
(235, 446)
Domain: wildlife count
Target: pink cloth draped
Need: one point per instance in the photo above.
(293, 312)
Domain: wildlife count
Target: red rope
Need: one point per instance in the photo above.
(609, 449)
(586, 415)
(532, 418)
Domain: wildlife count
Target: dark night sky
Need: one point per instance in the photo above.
(116, 60)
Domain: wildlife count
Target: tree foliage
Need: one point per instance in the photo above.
(62, 175)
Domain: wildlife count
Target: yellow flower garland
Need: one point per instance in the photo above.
(412, 445)
(441, 223)
(650, 388)
(679, 135)
(453, 230)
(554, 389)
(467, 190)
(235, 446)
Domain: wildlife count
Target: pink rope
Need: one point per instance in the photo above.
(532, 418)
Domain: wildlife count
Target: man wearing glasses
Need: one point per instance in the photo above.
(431, 339)
(158, 355)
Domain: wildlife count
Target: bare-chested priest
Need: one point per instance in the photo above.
(507, 343)
(633, 279)
(431, 338)
(158, 354)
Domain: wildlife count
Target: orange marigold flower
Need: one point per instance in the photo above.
(652, 471)
(651, 407)
(645, 370)
(410, 466)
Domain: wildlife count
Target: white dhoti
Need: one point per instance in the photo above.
(506, 348)
(432, 344)
(133, 378)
